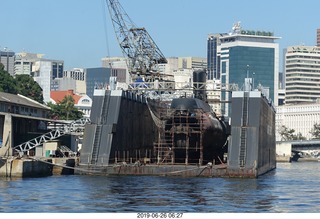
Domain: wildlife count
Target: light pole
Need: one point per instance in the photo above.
(253, 73)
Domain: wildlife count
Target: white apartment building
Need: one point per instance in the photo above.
(300, 117)
(302, 74)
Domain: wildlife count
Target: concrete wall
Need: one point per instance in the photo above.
(24, 168)
(283, 149)
(5, 149)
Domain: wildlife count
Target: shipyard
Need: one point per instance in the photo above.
(146, 110)
(180, 124)
(153, 125)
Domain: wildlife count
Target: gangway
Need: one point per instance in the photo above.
(73, 127)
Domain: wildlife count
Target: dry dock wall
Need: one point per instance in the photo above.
(121, 129)
(252, 143)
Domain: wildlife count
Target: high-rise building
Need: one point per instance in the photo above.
(24, 62)
(213, 56)
(253, 54)
(302, 69)
(44, 72)
(7, 60)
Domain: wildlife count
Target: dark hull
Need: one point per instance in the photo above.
(198, 134)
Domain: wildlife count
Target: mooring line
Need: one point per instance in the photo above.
(74, 168)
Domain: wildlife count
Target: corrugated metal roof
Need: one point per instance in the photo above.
(21, 100)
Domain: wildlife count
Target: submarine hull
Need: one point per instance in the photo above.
(199, 136)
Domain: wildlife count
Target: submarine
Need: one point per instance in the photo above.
(130, 134)
(199, 136)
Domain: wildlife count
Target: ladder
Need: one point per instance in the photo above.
(96, 145)
(98, 133)
(243, 134)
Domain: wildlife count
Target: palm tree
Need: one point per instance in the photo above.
(67, 104)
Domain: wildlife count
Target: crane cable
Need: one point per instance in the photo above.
(103, 7)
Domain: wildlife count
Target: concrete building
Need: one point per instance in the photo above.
(243, 53)
(21, 118)
(170, 67)
(44, 72)
(7, 60)
(300, 117)
(24, 62)
(192, 63)
(79, 76)
(302, 74)
(88, 79)
(118, 63)
(63, 84)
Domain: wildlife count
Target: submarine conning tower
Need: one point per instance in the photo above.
(199, 84)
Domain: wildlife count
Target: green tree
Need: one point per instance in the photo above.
(21, 84)
(288, 134)
(299, 136)
(65, 110)
(29, 88)
(7, 82)
(315, 131)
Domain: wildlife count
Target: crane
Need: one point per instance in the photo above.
(143, 55)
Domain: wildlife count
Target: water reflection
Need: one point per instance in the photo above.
(291, 188)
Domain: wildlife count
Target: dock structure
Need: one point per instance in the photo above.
(24, 130)
(252, 144)
(123, 139)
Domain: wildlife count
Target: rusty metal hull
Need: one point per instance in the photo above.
(169, 170)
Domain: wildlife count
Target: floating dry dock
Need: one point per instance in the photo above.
(123, 140)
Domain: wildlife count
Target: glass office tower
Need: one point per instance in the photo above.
(253, 54)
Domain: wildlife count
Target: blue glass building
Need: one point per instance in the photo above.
(244, 53)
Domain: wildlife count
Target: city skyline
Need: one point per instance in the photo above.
(80, 32)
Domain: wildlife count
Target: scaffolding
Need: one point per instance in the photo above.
(180, 137)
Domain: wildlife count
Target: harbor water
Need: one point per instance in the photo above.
(291, 188)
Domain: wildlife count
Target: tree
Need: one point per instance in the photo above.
(21, 84)
(67, 104)
(287, 134)
(315, 131)
(7, 82)
(298, 136)
(29, 88)
(65, 110)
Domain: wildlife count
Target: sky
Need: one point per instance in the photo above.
(80, 32)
